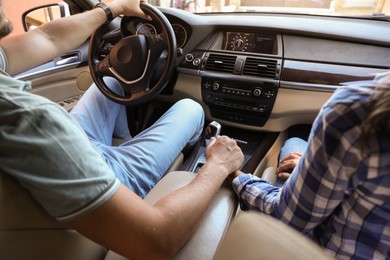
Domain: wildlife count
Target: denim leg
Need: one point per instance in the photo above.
(140, 162)
(293, 144)
(101, 118)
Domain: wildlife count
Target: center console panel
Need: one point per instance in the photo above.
(246, 102)
(240, 74)
(253, 144)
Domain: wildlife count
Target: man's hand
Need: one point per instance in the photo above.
(224, 152)
(128, 8)
(287, 164)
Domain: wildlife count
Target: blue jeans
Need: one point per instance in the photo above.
(293, 144)
(141, 161)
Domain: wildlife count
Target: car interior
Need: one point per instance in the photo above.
(261, 77)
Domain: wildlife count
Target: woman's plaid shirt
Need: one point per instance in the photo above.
(335, 193)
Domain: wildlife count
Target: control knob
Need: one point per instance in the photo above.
(189, 57)
(257, 92)
(215, 86)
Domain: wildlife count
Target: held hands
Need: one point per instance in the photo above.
(287, 164)
(224, 152)
(128, 8)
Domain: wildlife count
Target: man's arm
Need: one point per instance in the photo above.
(52, 39)
(130, 227)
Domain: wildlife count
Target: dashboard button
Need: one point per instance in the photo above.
(257, 92)
(189, 57)
(196, 62)
(215, 86)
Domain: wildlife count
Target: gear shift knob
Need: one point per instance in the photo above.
(213, 129)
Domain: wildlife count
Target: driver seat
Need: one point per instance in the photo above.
(27, 231)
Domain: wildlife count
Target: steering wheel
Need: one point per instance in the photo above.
(141, 64)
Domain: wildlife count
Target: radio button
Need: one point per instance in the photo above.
(196, 61)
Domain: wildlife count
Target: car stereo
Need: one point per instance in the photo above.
(239, 101)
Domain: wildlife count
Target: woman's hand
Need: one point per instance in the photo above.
(287, 165)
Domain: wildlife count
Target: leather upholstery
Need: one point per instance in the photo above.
(254, 235)
(28, 232)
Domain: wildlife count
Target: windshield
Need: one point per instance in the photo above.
(356, 8)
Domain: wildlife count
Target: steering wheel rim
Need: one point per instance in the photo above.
(125, 55)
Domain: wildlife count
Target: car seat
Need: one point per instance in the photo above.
(28, 232)
(254, 235)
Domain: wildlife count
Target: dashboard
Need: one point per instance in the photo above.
(261, 73)
(266, 72)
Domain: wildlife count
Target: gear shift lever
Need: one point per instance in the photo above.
(213, 129)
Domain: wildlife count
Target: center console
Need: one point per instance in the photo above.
(246, 102)
(253, 144)
(240, 74)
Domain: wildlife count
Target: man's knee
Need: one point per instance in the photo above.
(192, 105)
(191, 108)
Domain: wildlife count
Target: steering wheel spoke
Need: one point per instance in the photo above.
(102, 68)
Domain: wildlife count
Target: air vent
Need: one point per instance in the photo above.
(224, 63)
(260, 67)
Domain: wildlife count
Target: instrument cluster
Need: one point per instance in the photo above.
(138, 26)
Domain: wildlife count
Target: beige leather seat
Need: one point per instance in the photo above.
(270, 174)
(28, 232)
(254, 235)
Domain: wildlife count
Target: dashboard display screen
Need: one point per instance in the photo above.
(250, 42)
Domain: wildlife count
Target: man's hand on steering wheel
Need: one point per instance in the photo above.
(127, 8)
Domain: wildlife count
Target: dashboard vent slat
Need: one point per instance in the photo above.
(266, 68)
(223, 63)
